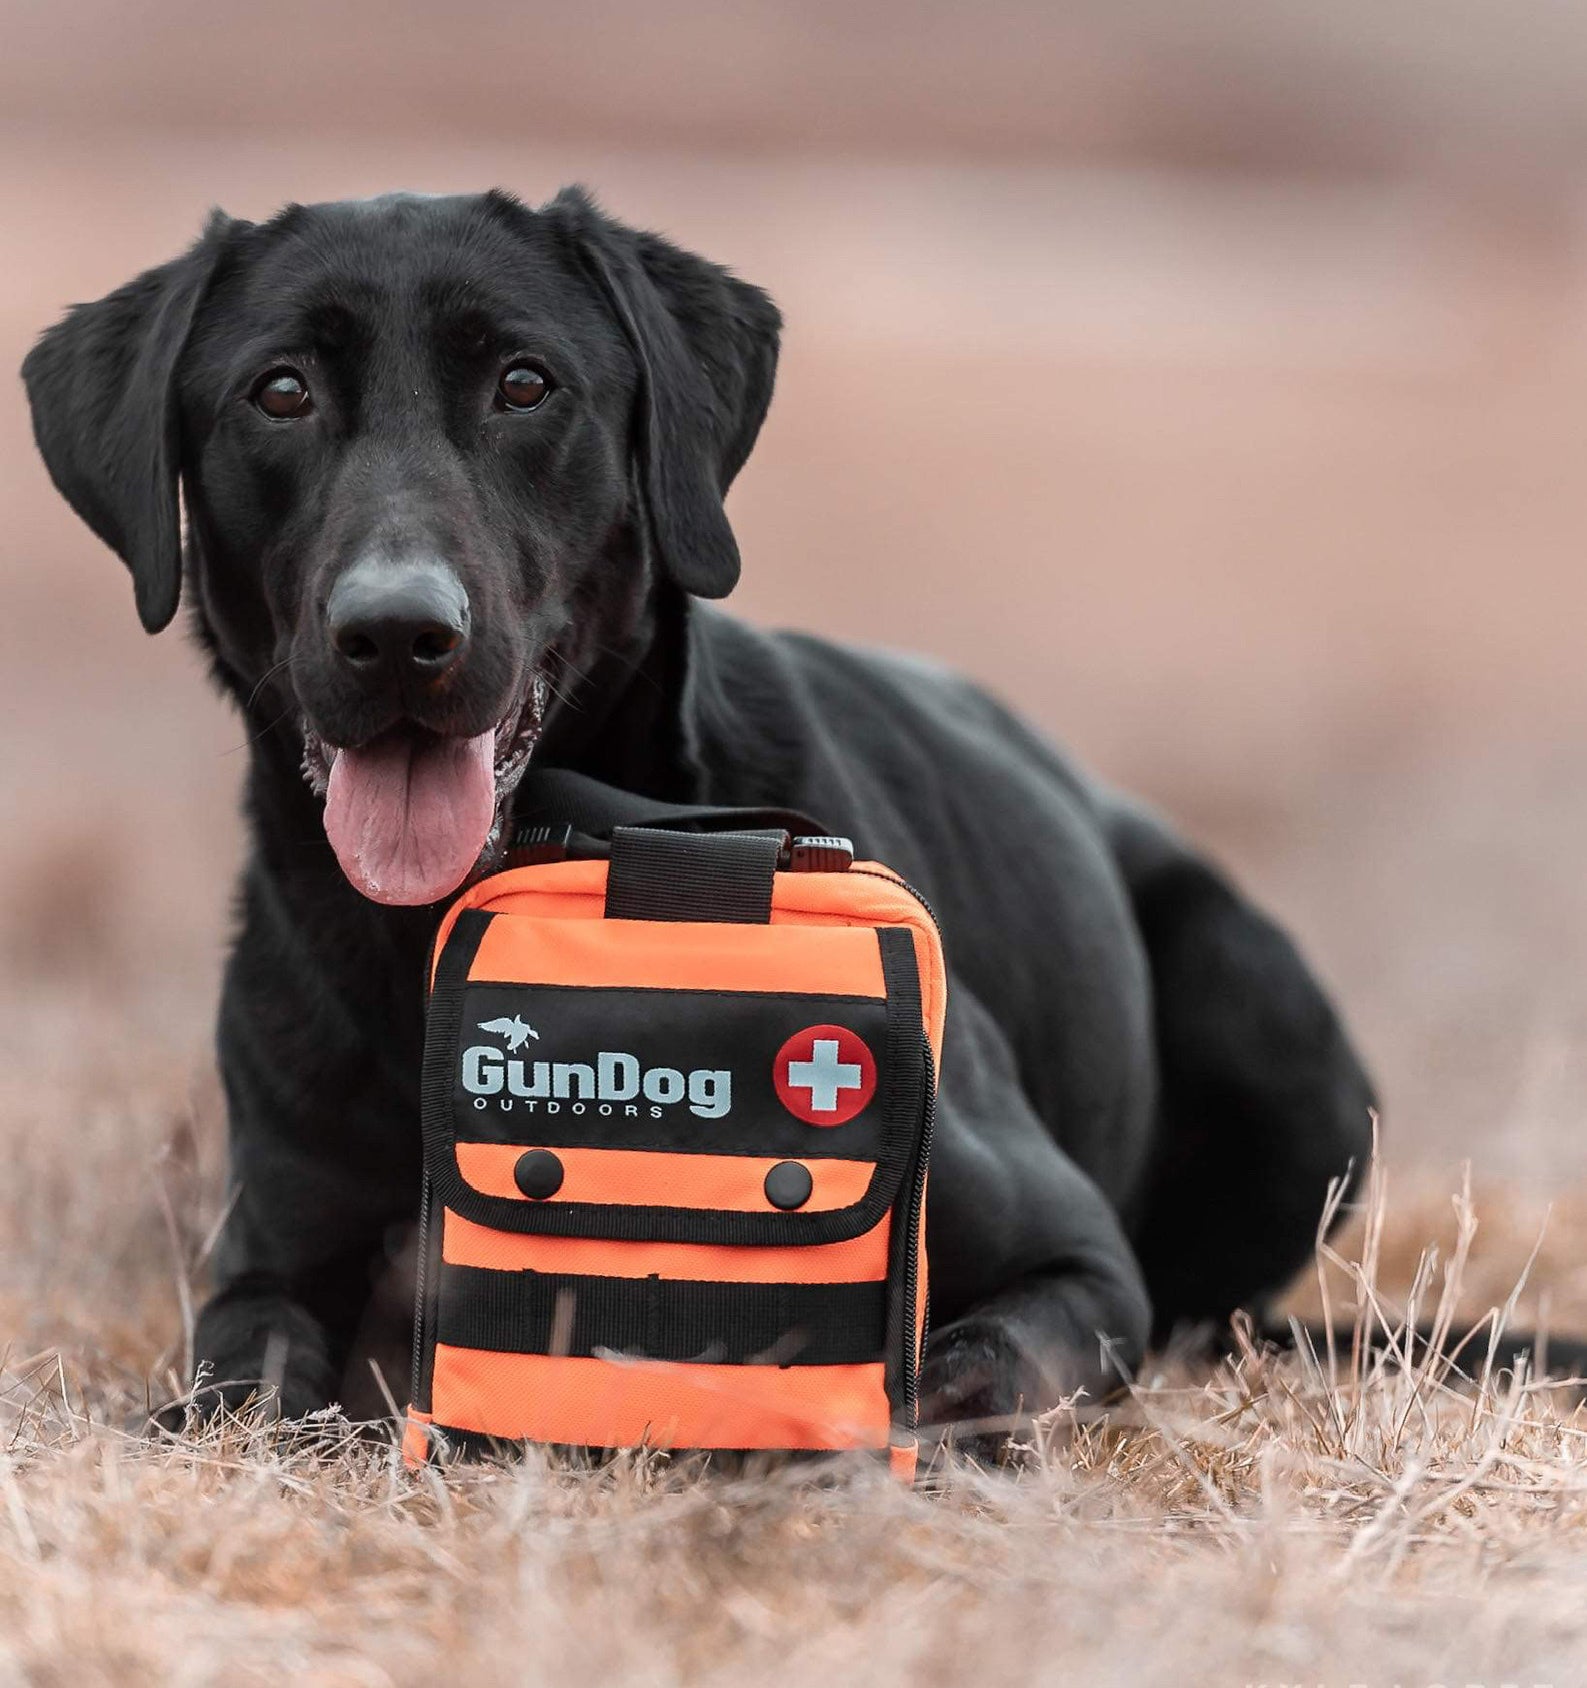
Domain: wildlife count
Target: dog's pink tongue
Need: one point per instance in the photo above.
(408, 817)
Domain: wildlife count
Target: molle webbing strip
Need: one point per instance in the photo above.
(860, 1259)
(580, 1402)
(661, 1319)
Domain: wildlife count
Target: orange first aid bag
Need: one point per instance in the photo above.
(677, 1108)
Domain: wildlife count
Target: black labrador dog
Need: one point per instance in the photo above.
(453, 472)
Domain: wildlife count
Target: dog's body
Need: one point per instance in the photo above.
(1144, 1094)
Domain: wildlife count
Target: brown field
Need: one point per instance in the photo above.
(1237, 436)
(1319, 1518)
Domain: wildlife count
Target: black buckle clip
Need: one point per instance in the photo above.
(529, 846)
(824, 854)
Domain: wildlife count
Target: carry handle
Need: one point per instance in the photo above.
(559, 797)
(721, 869)
(655, 874)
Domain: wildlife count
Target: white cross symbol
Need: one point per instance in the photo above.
(824, 1075)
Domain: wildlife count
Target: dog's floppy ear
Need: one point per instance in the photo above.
(706, 346)
(102, 384)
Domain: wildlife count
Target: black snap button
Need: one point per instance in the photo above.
(538, 1174)
(789, 1184)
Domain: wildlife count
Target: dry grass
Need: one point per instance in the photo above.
(1332, 1517)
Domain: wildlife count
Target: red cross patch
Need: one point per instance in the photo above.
(825, 1075)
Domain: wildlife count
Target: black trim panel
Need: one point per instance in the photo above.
(733, 1036)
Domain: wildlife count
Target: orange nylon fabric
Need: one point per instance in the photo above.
(868, 895)
(415, 1440)
(902, 1458)
(607, 1404)
(862, 1259)
(655, 1178)
(682, 955)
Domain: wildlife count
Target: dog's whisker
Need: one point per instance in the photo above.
(260, 736)
(265, 679)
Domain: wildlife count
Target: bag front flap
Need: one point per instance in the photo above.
(634, 1080)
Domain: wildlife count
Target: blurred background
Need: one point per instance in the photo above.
(1210, 378)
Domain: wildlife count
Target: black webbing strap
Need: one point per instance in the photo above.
(662, 1319)
(561, 797)
(711, 876)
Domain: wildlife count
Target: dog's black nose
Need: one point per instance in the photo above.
(398, 620)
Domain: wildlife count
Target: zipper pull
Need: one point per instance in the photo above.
(824, 854)
(531, 845)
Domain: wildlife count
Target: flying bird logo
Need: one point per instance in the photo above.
(516, 1032)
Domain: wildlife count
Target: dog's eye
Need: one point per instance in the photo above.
(523, 387)
(283, 395)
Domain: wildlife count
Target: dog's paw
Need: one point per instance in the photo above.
(253, 1402)
(205, 1403)
(977, 1386)
(261, 1356)
(227, 1391)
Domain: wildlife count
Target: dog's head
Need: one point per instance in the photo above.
(437, 454)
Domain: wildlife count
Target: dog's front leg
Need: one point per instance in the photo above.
(321, 1078)
(1040, 1294)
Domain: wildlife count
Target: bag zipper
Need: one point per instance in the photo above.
(913, 1351)
(901, 885)
(421, 1305)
